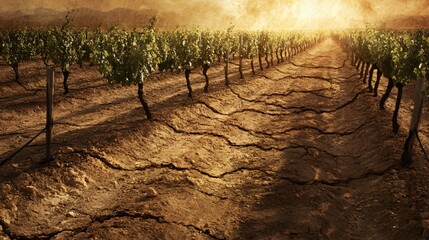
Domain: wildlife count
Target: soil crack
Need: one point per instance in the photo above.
(204, 231)
(231, 143)
(212, 108)
(6, 230)
(318, 67)
(314, 92)
(134, 215)
(301, 109)
(330, 79)
(170, 166)
(101, 219)
(345, 133)
(339, 182)
(347, 103)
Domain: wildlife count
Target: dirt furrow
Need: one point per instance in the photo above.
(321, 66)
(295, 77)
(298, 151)
(322, 132)
(321, 111)
(226, 139)
(116, 215)
(169, 166)
(314, 92)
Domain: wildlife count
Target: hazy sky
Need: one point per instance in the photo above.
(260, 13)
(384, 6)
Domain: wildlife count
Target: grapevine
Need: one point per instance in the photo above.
(18, 45)
(129, 58)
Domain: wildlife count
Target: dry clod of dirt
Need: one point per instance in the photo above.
(151, 193)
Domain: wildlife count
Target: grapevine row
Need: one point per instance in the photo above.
(402, 57)
(131, 57)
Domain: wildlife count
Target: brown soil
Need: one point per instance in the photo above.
(299, 151)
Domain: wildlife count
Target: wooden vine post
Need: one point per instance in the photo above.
(415, 121)
(226, 57)
(49, 110)
(240, 66)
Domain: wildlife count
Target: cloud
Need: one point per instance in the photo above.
(251, 14)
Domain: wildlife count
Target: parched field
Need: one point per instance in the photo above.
(298, 151)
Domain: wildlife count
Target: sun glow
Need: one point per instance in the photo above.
(320, 13)
(306, 10)
(305, 14)
(243, 14)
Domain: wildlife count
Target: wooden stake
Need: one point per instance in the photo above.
(415, 121)
(226, 67)
(49, 110)
(240, 66)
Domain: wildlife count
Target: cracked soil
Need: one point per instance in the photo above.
(298, 151)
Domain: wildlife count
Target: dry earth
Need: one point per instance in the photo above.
(299, 151)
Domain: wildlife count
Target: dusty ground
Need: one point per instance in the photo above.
(300, 151)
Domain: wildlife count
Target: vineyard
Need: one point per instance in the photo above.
(210, 134)
(129, 58)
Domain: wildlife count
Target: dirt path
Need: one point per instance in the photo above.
(300, 151)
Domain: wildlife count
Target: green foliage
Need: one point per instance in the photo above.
(127, 57)
(233, 42)
(94, 43)
(61, 43)
(219, 46)
(207, 47)
(163, 42)
(185, 46)
(18, 45)
(405, 57)
(131, 56)
(402, 56)
(250, 44)
(1, 43)
(263, 42)
(42, 44)
(422, 40)
(81, 45)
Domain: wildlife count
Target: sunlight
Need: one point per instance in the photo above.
(245, 14)
(306, 10)
(305, 14)
(320, 13)
(311, 9)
